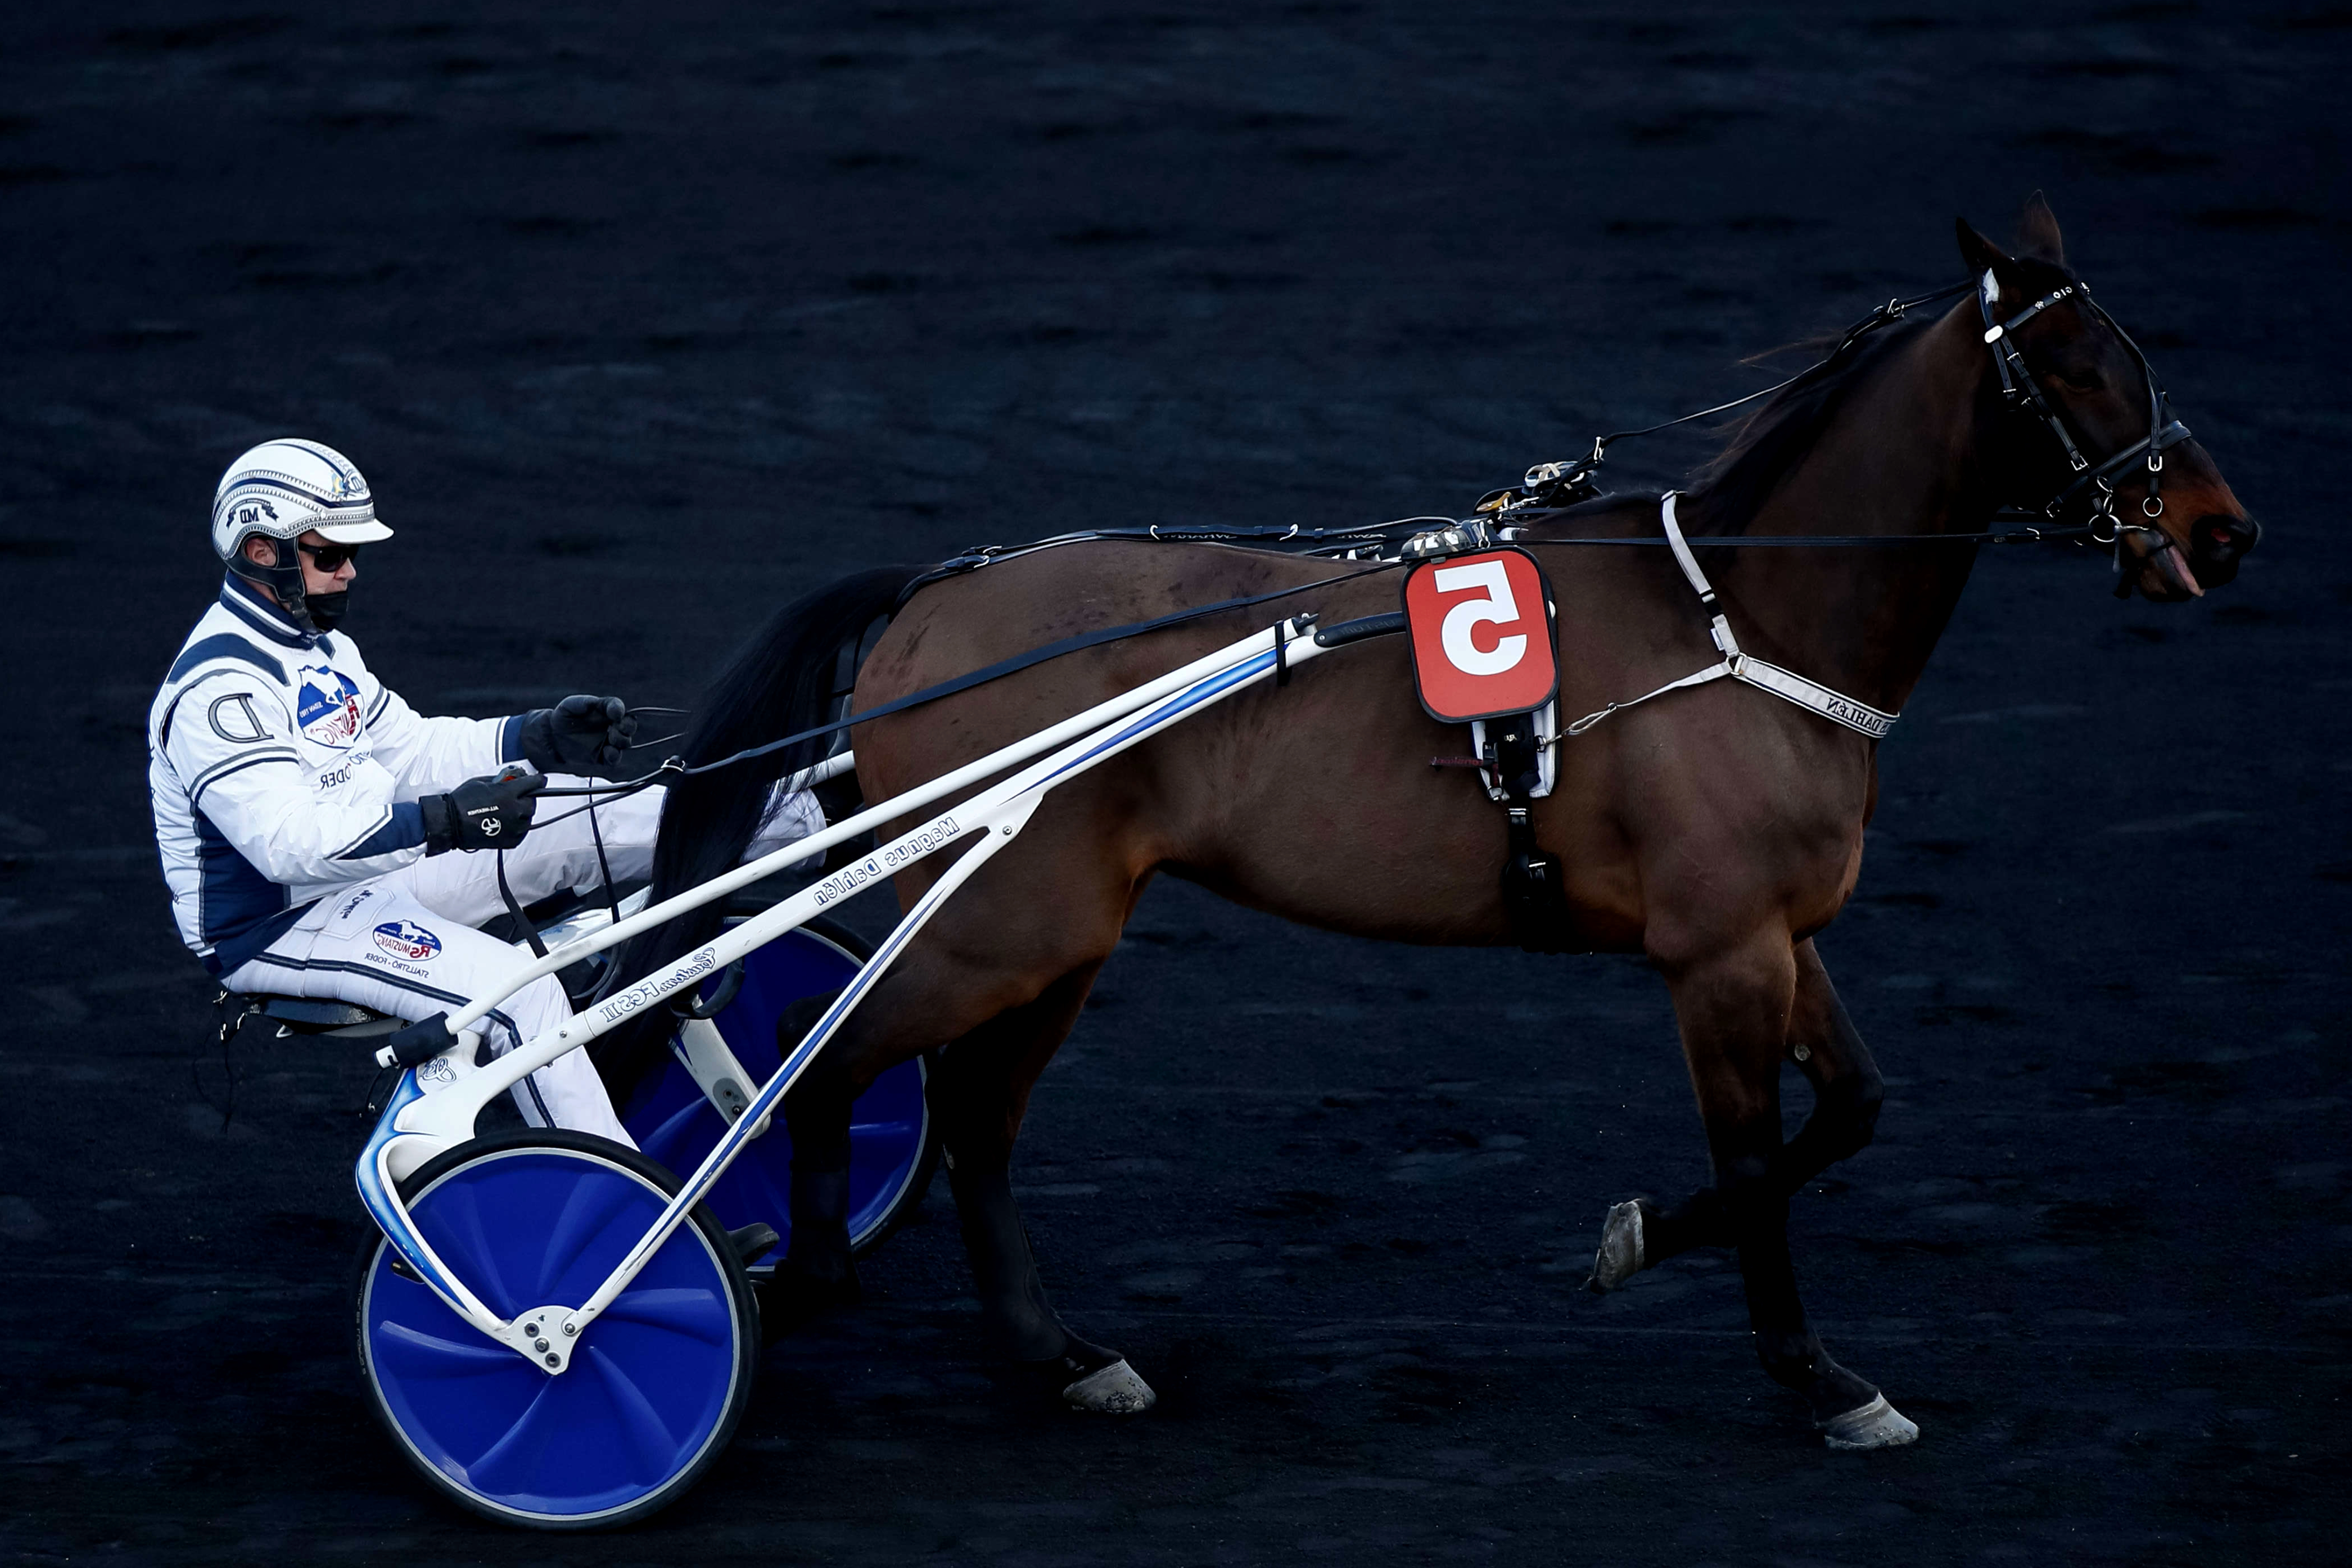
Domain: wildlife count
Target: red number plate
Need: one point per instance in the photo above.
(1482, 635)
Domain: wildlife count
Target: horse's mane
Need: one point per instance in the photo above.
(1726, 495)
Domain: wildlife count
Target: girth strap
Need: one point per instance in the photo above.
(1535, 889)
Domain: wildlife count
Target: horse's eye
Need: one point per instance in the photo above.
(2078, 380)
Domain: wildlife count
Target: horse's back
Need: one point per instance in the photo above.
(1318, 799)
(1314, 798)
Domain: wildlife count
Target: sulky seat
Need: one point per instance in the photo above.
(310, 1016)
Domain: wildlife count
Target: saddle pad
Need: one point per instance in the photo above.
(1482, 635)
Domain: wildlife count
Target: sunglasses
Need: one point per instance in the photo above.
(329, 557)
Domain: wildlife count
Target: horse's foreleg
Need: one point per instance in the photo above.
(1736, 1010)
(1847, 1092)
(978, 1095)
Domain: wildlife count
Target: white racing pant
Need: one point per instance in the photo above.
(403, 944)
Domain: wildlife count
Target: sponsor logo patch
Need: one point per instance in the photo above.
(328, 707)
(407, 939)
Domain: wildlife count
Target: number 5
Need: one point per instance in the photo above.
(1497, 606)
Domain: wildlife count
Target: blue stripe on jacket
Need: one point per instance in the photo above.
(226, 644)
(404, 829)
(239, 911)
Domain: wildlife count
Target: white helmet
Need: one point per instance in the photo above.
(281, 489)
(284, 488)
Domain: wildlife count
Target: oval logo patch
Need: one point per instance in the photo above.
(407, 939)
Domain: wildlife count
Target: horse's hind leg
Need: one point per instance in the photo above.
(817, 1271)
(1847, 1092)
(979, 1089)
(978, 1094)
(997, 978)
(1735, 1008)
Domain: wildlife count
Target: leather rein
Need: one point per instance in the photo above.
(1551, 488)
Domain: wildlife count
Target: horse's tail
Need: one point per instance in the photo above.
(792, 676)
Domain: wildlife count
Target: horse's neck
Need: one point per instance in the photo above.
(1899, 456)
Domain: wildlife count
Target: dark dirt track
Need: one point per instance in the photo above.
(641, 325)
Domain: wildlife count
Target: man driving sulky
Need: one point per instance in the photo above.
(321, 838)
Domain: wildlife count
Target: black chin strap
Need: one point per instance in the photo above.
(283, 580)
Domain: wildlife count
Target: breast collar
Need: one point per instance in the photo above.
(1743, 667)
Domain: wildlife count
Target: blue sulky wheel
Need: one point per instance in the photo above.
(652, 1393)
(892, 1150)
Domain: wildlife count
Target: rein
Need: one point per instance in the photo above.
(1474, 534)
(1550, 489)
(677, 767)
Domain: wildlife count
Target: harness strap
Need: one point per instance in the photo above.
(2019, 390)
(1019, 661)
(1712, 672)
(1762, 674)
(1535, 889)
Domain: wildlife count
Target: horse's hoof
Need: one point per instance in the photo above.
(1876, 1425)
(1621, 1257)
(1115, 1390)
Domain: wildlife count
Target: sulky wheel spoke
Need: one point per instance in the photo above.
(862, 1131)
(589, 1210)
(649, 1434)
(680, 1124)
(458, 1212)
(414, 1353)
(511, 1466)
(680, 1310)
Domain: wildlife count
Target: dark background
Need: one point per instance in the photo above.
(641, 321)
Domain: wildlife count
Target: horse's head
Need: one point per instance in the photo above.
(2090, 424)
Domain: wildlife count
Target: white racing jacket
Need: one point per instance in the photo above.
(281, 770)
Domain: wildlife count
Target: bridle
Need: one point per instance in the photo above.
(2020, 391)
(1552, 486)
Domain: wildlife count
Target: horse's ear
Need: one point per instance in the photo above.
(2037, 232)
(1977, 254)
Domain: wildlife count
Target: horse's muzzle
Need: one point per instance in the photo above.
(2217, 541)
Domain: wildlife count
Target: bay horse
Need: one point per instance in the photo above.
(1714, 831)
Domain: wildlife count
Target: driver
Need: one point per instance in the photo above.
(321, 838)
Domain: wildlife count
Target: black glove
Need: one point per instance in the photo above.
(482, 814)
(579, 735)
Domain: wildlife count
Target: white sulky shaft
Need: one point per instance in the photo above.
(996, 815)
(993, 816)
(873, 816)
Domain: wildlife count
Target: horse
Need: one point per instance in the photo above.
(1715, 831)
